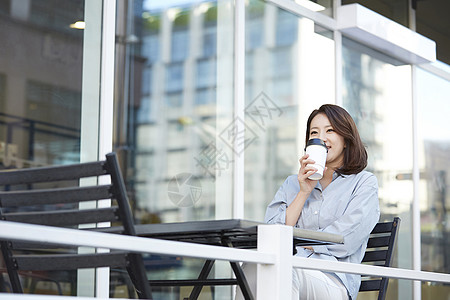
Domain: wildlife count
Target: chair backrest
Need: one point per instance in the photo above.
(52, 196)
(380, 248)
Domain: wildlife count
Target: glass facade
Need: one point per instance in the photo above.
(179, 160)
(176, 130)
(184, 98)
(40, 111)
(377, 93)
(49, 94)
(289, 72)
(434, 147)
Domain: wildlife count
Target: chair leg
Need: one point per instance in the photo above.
(383, 288)
(12, 272)
(203, 275)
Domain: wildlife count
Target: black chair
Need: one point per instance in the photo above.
(51, 196)
(380, 248)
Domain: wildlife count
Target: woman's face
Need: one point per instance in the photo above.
(321, 128)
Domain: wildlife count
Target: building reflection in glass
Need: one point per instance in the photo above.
(377, 93)
(41, 59)
(434, 157)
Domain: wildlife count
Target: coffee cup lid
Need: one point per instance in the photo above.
(316, 141)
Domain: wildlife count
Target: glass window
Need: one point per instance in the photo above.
(151, 48)
(206, 73)
(41, 80)
(179, 99)
(434, 155)
(56, 141)
(185, 102)
(377, 94)
(205, 96)
(210, 41)
(210, 30)
(150, 25)
(174, 80)
(254, 18)
(49, 76)
(286, 28)
(291, 74)
(147, 80)
(254, 36)
(57, 17)
(180, 37)
(280, 65)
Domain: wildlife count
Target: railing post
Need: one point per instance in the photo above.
(274, 281)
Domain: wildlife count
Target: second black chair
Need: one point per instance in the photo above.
(380, 248)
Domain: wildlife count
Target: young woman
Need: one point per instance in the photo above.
(344, 201)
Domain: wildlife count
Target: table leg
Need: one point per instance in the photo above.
(242, 281)
(203, 275)
(240, 276)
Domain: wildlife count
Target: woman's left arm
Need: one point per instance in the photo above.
(358, 220)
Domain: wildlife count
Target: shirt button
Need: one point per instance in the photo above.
(316, 212)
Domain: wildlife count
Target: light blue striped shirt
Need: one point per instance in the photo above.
(348, 206)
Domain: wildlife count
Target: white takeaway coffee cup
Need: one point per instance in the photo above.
(317, 151)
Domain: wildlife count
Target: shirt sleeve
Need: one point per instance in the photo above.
(358, 220)
(276, 210)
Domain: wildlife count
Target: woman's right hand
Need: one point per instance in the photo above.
(306, 170)
(294, 210)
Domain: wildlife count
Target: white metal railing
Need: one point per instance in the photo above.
(5, 296)
(74, 237)
(273, 256)
(270, 277)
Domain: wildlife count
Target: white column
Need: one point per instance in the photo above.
(416, 242)
(90, 118)
(107, 78)
(338, 67)
(239, 106)
(275, 281)
(224, 184)
(106, 120)
(90, 88)
(228, 200)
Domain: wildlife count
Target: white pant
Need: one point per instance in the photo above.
(306, 285)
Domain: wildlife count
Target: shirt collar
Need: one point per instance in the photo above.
(336, 175)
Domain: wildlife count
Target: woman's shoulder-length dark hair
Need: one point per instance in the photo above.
(355, 154)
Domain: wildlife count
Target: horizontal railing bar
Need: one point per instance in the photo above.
(62, 236)
(46, 234)
(343, 267)
(10, 296)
